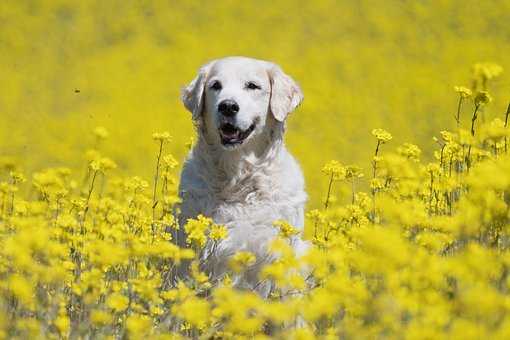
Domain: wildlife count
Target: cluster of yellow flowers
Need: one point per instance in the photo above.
(424, 254)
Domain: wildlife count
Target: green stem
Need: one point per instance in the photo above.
(353, 192)
(374, 174)
(431, 192)
(473, 119)
(326, 204)
(457, 118)
(156, 177)
(91, 189)
(12, 199)
(506, 125)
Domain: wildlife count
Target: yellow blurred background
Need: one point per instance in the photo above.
(69, 66)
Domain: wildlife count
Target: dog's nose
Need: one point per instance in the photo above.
(228, 107)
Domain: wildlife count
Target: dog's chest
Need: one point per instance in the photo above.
(249, 217)
(252, 198)
(257, 203)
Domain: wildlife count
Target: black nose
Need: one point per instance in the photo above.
(228, 107)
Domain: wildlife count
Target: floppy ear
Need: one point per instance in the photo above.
(193, 95)
(285, 93)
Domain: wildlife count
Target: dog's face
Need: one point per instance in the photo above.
(237, 94)
(236, 97)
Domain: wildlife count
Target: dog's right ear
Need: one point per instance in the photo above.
(193, 95)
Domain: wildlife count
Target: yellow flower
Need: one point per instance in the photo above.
(200, 277)
(487, 70)
(286, 230)
(382, 135)
(482, 98)
(218, 232)
(376, 184)
(169, 295)
(100, 132)
(117, 302)
(193, 311)
(241, 260)
(62, 323)
(196, 230)
(464, 92)
(102, 164)
(353, 171)
(334, 169)
(138, 325)
(21, 288)
(17, 177)
(302, 334)
(107, 164)
(410, 151)
(162, 136)
(433, 168)
(170, 161)
(100, 317)
(136, 184)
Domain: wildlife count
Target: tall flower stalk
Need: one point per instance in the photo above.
(506, 127)
(464, 93)
(161, 138)
(382, 137)
(481, 99)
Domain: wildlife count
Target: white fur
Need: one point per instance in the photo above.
(249, 186)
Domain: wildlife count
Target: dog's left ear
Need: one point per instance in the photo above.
(285, 93)
(193, 94)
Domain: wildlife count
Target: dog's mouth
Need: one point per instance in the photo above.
(231, 135)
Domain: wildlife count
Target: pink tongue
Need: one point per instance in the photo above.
(231, 133)
(231, 136)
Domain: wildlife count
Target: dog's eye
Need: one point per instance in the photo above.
(216, 86)
(252, 86)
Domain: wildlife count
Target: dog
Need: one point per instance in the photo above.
(239, 171)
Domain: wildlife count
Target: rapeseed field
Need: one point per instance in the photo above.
(403, 138)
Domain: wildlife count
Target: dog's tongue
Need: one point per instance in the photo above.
(230, 132)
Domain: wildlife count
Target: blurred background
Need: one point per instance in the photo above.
(68, 67)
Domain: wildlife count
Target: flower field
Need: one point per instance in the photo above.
(409, 195)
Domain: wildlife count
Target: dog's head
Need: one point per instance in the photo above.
(237, 98)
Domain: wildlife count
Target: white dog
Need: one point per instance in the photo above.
(239, 173)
